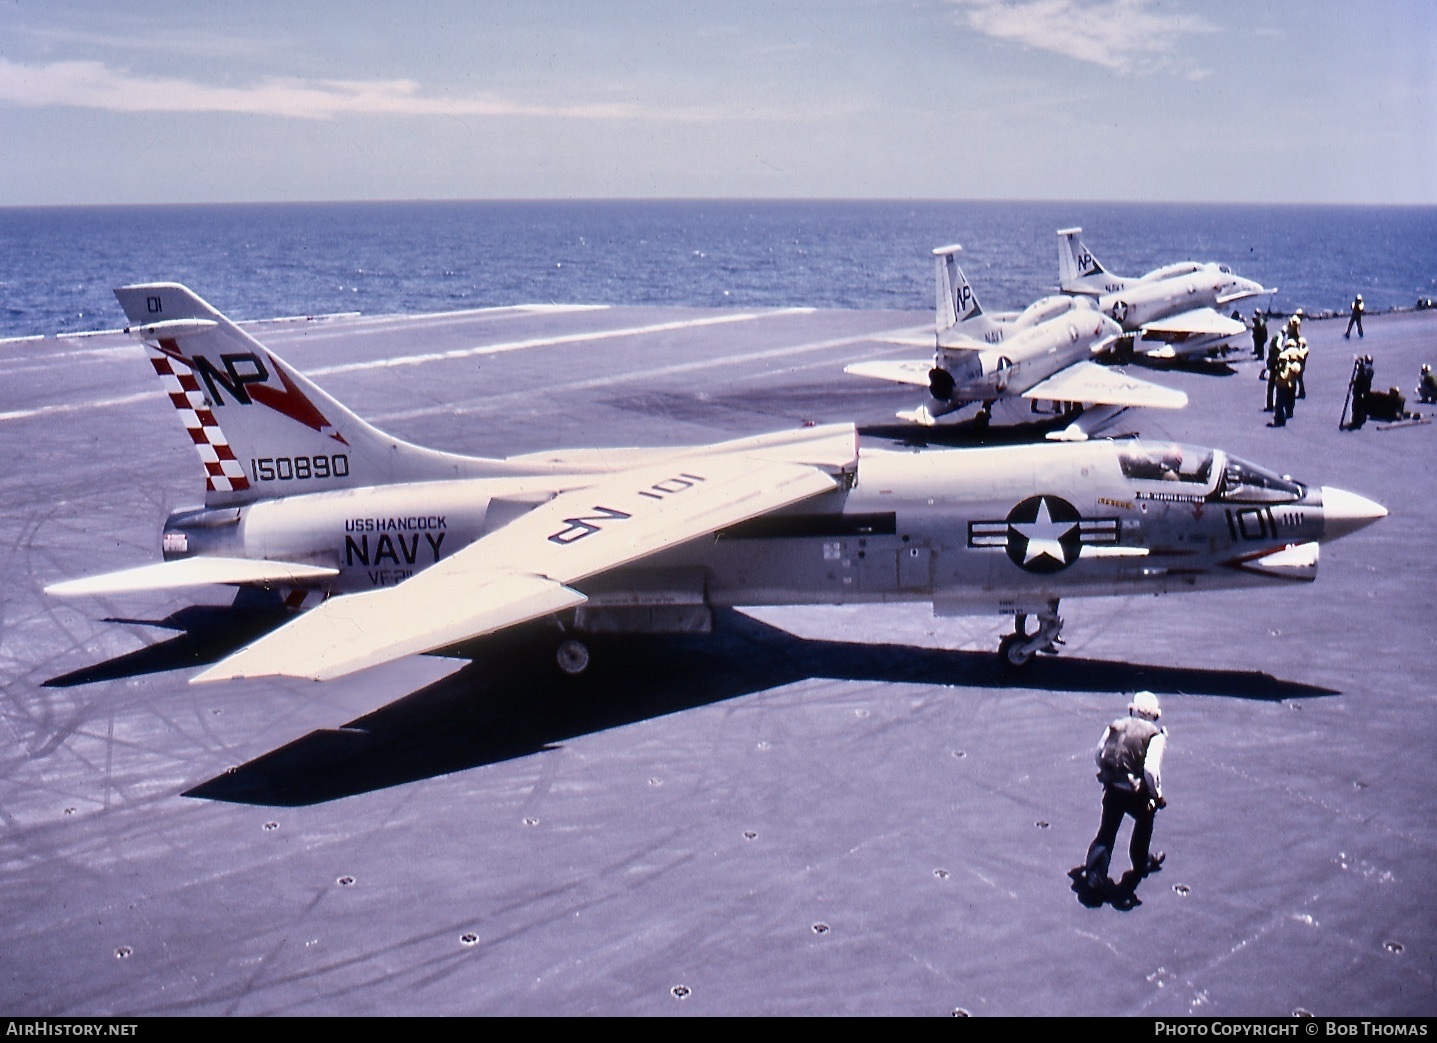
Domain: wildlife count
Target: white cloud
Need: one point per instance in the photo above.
(94, 85)
(1122, 35)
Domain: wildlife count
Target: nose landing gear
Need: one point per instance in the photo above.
(1017, 649)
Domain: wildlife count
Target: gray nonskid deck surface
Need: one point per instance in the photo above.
(815, 811)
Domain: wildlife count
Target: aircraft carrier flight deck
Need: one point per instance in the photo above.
(813, 811)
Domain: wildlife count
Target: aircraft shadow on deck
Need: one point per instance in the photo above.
(511, 702)
(1208, 367)
(206, 634)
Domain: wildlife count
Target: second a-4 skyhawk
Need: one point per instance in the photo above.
(1171, 312)
(412, 550)
(1046, 353)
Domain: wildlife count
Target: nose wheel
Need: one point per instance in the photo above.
(572, 656)
(1017, 649)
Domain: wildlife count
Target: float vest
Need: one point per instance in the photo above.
(1120, 761)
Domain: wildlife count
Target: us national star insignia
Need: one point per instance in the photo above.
(1044, 534)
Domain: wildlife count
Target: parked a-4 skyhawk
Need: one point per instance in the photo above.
(418, 550)
(1044, 353)
(1171, 311)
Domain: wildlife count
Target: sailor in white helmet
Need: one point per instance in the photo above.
(1130, 762)
(1355, 319)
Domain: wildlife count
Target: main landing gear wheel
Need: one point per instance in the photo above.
(572, 656)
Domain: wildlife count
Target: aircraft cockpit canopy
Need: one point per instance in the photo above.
(1243, 482)
(1206, 472)
(1167, 462)
(1046, 308)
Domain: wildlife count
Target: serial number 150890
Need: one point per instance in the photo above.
(298, 468)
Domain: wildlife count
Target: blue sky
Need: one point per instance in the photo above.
(1154, 100)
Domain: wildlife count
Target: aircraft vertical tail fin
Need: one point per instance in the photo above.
(1078, 270)
(957, 307)
(947, 274)
(261, 428)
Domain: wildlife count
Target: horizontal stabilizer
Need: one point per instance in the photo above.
(905, 371)
(1198, 322)
(193, 572)
(1089, 382)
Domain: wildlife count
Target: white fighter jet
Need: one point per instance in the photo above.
(414, 550)
(1170, 312)
(1044, 353)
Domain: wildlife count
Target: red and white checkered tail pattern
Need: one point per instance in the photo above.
(223, 473)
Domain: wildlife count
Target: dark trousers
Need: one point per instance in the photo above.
(1356, 320)
(1286, 401)
(1359, 407)
(1116, 804)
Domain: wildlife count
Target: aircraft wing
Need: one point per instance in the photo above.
(900, 371)
(1089, 382)
(522, 571)
(1240, 295)
(1199, 322)
(192, 572)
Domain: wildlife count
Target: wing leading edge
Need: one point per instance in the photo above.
(522, 571)
(1089, 382)
(1200, 322)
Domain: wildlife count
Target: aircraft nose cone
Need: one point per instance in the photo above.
(1344, 512)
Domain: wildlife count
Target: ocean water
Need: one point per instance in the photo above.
(57, 265)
